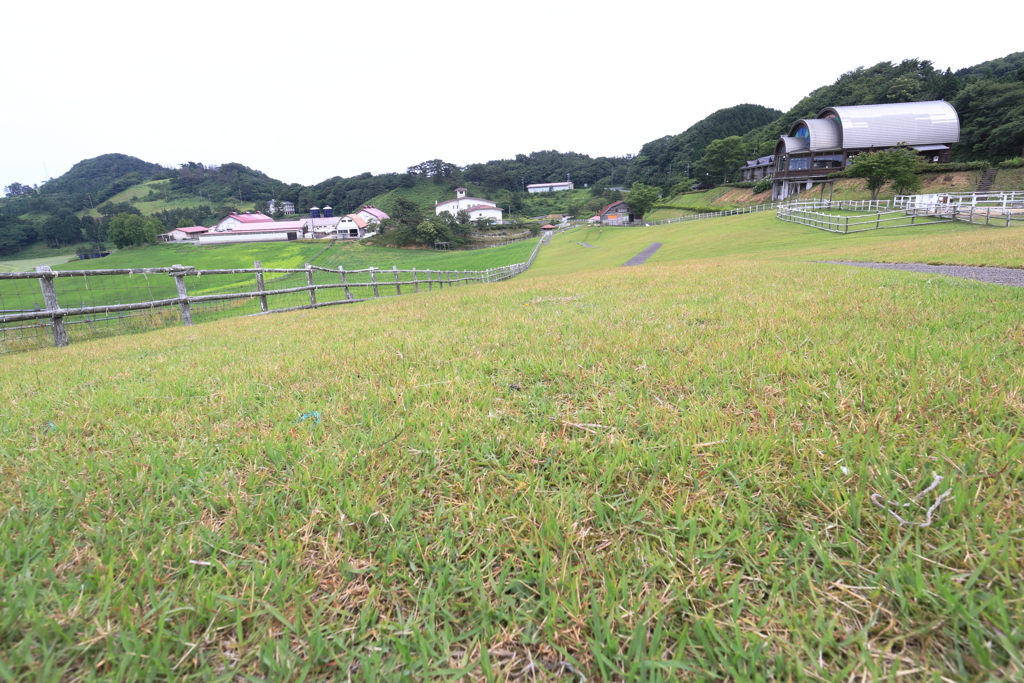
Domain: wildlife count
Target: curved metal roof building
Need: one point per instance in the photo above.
(874, 125)
(887, 125)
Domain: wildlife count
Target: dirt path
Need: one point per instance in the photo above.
(1012, 277)
(643, 255)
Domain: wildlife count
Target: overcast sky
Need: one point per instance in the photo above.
(308, 90)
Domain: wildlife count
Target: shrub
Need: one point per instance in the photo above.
(762, 185)
(1016, 162)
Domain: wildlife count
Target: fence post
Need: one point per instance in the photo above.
(309, 281)
(373, 279)
(258, 265)
(430, 280)
(398, 283)
(60, 335)
(988, 215)
(415, 282)
(186, 308)
(348, 294)
(847, 224)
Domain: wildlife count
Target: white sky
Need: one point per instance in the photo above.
(307, 90)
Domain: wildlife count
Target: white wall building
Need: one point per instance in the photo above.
(550, 187)
(371, 214)
(286, 207)
(476, 207)
(240, 221)
(281, 231)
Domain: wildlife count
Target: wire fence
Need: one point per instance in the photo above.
(55, 308)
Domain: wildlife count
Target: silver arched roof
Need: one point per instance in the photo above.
(823, 133)
(886, 125)
(788, 145)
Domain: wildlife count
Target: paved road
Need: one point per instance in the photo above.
(1012, 277)
(643, 255)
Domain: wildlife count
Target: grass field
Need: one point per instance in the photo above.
(164, 202)
(664, 472)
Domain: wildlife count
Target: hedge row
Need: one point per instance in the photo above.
(1016, 162)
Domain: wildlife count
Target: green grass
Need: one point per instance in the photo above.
(164, 202)
(653, 473)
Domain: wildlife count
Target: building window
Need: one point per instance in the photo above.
(802, 132)
(799, 163)
(828, 161)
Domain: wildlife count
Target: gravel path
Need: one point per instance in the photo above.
(547, 239)
(643, 255)
(588, 246)
(1013, 277)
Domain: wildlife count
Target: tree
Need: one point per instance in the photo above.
(898, 165)
(128, 230)
(724, 156)
(641, 198)
(18, 190)
(184, 223)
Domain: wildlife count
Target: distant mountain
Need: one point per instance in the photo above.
(671, 156)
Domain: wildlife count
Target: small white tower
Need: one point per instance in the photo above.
(460, 192)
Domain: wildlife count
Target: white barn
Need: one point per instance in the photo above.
(476, 207)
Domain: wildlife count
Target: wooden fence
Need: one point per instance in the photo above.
(322, 286)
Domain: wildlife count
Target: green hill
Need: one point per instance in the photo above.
(660, 161)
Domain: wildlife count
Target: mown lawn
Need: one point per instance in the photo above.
(653, 473)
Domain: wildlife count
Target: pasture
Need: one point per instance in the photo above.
(731, 463)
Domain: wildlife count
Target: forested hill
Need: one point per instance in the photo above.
(1010, 65)
(103, 176)
(672, 155)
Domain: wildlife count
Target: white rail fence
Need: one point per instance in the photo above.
(112, 301)
(999, 200)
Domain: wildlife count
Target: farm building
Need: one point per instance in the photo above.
(238, 221)
(762, 167)
(616, 213)
(828, 143)
(350, 226)
(371, 214)
(182, 234)
(476, 207)
(286, 207)
(550, 187)
(280, 231)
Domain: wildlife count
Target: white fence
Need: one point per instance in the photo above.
(962, 200)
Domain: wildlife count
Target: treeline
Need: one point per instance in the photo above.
(670, 159)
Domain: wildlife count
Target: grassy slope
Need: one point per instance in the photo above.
(721, 198)
(148, 207)
(654, 472)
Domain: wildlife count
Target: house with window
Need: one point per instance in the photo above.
(476, 207)
(829, 142)
(286, 207)
(762, 167)
(616, 213)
